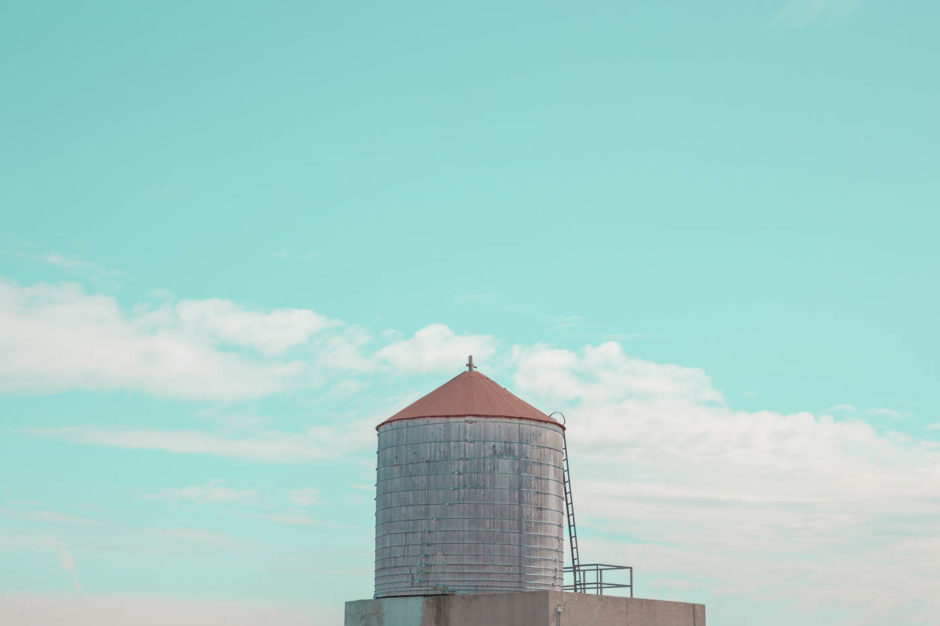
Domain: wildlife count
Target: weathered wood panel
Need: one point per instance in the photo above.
(468, 505)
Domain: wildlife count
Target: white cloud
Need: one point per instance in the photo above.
(307, 496)
(737, 502)
(57, 338)
(605, 373)
(797, 14)
(436, 348)
(68, 264)
(67, 563)
(79, 265)
(748, 502)
(562, 322)
(270, 333)
(213, 492)
(883, 412)
(315, 443)
(878, 412)
(86, 609)
(66, 560)
(344, 351)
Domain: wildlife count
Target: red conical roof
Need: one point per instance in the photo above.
(470, 394)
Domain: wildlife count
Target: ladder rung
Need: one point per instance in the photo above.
(572, 527)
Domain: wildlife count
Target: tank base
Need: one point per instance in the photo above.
(531, 608)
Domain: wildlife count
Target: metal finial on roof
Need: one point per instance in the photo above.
(470, 365)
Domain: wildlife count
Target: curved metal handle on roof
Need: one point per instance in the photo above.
(563, 420)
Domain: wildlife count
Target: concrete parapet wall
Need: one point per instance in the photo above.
(587, 610)
(531, 608)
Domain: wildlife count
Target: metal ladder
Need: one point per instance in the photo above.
(579, 585)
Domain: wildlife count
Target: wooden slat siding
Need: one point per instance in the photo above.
(468, 505)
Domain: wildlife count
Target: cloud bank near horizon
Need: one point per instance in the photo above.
(738, 502)
(57, 337)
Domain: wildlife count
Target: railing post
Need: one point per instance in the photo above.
(596, 583)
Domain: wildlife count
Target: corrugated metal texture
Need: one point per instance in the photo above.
(468, 505)
(470, 393)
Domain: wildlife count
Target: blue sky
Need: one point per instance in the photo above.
(235, 237)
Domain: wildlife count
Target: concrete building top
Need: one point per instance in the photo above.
(533, 608)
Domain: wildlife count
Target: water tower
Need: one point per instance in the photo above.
(472, 500)
(470, 494)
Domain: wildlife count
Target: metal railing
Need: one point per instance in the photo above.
(591, 578)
